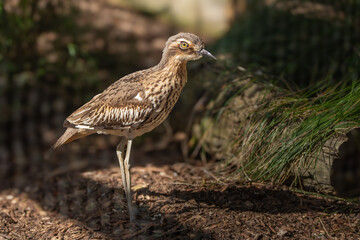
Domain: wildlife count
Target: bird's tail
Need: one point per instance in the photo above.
(70, 135)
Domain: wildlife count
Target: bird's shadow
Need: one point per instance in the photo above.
(254, 199)
(100, 206)
(92, 195)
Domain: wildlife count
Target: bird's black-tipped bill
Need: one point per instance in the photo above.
(207, 54)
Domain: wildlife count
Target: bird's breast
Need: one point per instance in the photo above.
(162, 90)
(164, 94)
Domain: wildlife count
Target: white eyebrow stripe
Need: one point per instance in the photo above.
(183, 39)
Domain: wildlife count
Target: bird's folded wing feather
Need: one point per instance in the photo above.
(113, 109)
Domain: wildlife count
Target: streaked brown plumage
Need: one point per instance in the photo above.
(138, 102)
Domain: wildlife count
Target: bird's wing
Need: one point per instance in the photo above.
(121, 105)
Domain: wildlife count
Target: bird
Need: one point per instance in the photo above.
(136, 103)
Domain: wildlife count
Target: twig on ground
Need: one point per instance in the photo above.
(326, 232)
(12, 215)
(210, 174)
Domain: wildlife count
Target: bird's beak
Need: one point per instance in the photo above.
(203, 52)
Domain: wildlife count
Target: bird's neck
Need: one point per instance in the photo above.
(171, 78)
(171, 62)
(173, 67)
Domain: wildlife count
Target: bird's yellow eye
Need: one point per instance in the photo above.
(184, 45)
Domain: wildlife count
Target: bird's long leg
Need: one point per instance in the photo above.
(124, 173)
(128, 180)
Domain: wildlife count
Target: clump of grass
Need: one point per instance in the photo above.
(287, 134)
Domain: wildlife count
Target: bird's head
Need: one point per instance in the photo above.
(185, 47)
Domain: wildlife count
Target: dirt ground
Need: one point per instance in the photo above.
(176, 200)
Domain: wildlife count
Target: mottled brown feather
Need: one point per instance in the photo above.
(118, 97)
(71, 134)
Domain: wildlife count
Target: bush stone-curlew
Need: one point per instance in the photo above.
(136, 103)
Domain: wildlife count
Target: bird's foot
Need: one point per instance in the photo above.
(138, 224)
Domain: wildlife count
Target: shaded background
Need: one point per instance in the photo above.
(55, 55)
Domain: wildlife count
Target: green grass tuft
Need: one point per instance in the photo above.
(287, 134)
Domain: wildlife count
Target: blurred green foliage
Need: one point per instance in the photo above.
(39, 44)
(301, 41)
